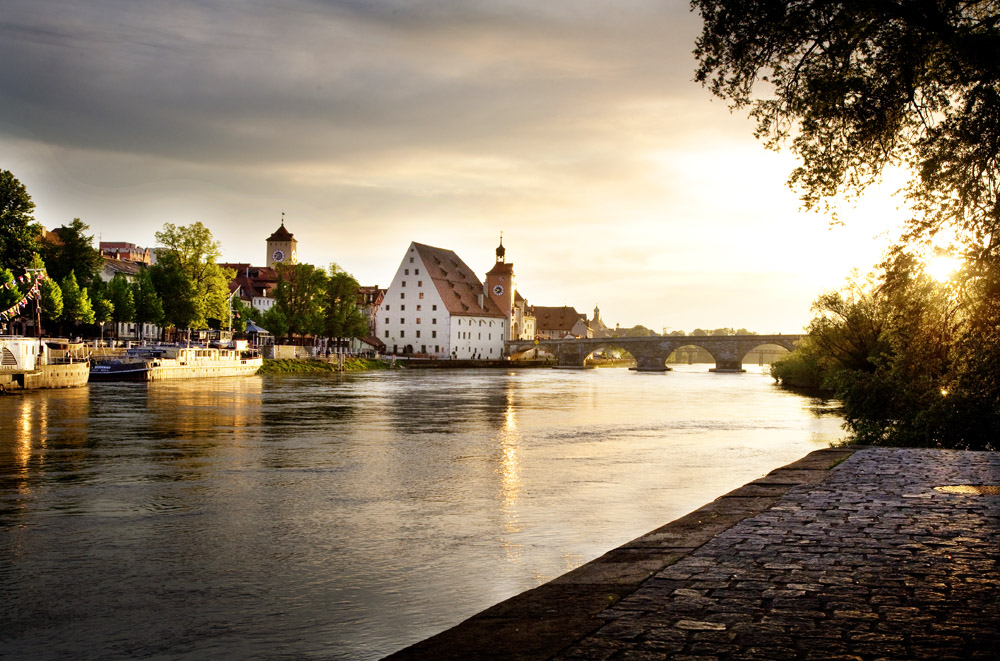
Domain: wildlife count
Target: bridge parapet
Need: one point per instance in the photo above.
(651, 353)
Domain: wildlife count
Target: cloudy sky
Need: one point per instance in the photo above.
(573, 127)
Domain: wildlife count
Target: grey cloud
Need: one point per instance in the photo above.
(233, 82)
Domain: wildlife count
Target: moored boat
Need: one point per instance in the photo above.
(28, 363)
(172, 362)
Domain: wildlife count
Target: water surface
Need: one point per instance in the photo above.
(348, 516)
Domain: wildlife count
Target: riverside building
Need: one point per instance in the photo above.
(437, 307)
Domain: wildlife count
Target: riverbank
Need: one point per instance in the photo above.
(846, 553)
(314, 366)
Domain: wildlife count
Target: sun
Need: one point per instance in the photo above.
(942, 267)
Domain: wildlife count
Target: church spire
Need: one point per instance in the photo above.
(501, 251)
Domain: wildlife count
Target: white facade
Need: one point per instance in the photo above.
(435, 307)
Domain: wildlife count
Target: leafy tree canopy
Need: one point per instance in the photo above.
(300, 295)
(193, 287)
(148, 307)
(18, 231)
(342, 316)
(74, 252)
(859, 85)
(77, 308)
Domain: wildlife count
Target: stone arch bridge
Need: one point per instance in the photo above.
(651, 353)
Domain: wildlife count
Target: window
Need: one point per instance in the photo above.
(406, 272)
(387, 320)
(434, 334)
(411, 260)
(418, 308)
(402, 308)
(387, 333)
(402, 321)
(418, 320)
(434, 307)
(418, 333)
(387, 308)
(402, 295)
(404, 283)
(402, 333)
(416, 271)
(480, 336)
(434, 320)
(420, 295)
(420, 283)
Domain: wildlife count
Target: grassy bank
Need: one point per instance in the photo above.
(288, 366)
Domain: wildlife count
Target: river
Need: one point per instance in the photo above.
(347, 516)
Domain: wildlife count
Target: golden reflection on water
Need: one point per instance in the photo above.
(510, 479)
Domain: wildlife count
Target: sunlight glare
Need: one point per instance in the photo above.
(942, 267)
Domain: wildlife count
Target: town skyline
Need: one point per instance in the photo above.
(577, 131)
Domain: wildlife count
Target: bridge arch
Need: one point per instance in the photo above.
(651, 353)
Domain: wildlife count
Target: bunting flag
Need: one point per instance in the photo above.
(35, 292)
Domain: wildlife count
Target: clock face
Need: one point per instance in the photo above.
(498, 290)
(278, 255)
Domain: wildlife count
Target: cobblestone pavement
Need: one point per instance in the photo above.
(870, 563)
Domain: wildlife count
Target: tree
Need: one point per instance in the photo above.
(193, 287)
(77, 308)
(103, 310)
(857, 86)
(74, 252)
(119, 292)
(148, 306)
(274, 322)
(299, 295)
(342, 317)
(242, 313)
(18, 231)
(52, 301)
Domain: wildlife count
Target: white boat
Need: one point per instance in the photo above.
(28, 363)
(156, 363)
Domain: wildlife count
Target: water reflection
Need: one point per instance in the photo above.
(345, 516)
(508, 440)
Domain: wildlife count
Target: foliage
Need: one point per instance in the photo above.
(148, 307)
(103, 309)
(18, 231)
(77, 308)
(857, 86)
(73, 252)
(342, 317)
(802, 368)
(192, 286)
(914, 361)
(636, 331)
(289, 366)
(119, 292)
(299, 296)
(274, 322)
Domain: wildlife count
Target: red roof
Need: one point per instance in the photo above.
(280, 234)
(456, 283)
(556, 319)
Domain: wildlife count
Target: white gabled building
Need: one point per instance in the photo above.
(436, 306)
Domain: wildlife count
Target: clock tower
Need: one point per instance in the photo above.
(500, 288)
(281, 246)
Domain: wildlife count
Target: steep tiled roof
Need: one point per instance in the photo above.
(280, 234)
(254, 280)
(556, 319)
(456, 283)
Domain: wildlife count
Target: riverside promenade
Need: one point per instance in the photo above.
(844, 554)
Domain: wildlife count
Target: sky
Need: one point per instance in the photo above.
(575, 128)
